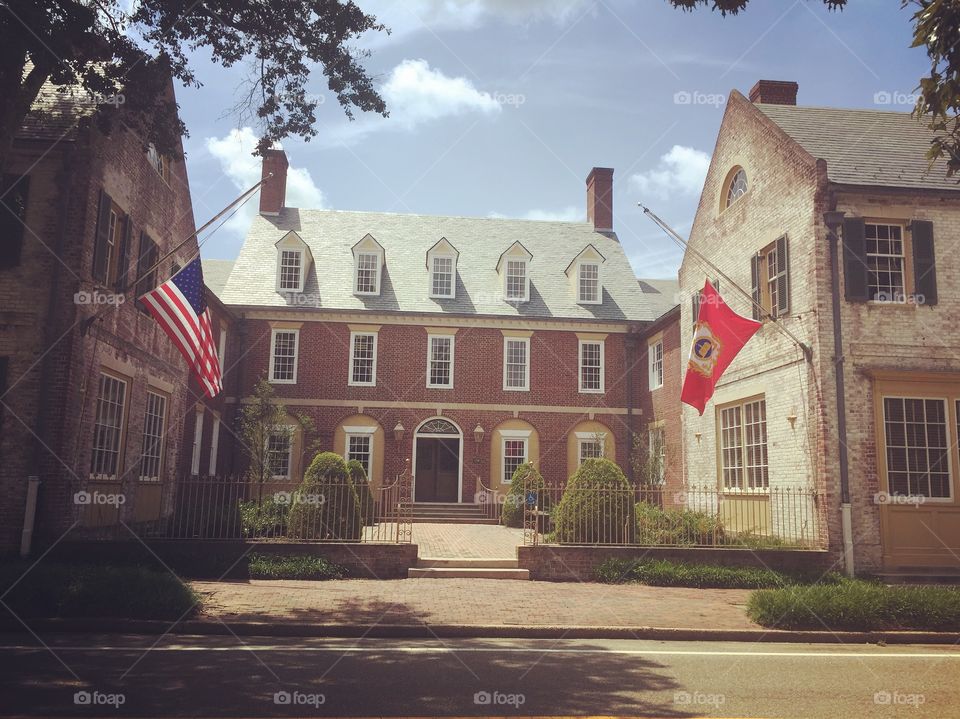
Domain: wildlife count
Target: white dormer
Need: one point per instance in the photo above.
(442, 269)
(585, 278)
(368, 259)
(514, 270)
(293, 261)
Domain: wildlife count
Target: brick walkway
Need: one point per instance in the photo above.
(467, 540)
(474, 601)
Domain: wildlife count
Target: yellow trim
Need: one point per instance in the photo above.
(441, 330)
(653, 339)
(364, 328)
(496, 450)
(160, 384)
(285, 325)
(517, 333)
(573, 444)
(379, 437)
(591, 336)
(442, 407)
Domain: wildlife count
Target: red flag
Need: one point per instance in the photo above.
(719, 334)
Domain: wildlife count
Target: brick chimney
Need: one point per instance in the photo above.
(774, 92)
(600, 198)
(273, 192)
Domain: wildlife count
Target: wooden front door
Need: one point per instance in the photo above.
(438, 470)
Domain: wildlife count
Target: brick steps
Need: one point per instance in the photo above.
(466, 568)
(449, 513)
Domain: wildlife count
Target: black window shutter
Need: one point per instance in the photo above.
(924, 262)
(4, 362)
(100, 249)
(855, 273)
(755, 286)
(783, 279)
(14, 211)
(123, 258)
(146, 258)
(695, 302)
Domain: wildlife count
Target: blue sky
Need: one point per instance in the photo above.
(500, 108)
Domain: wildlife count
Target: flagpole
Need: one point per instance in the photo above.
(763, 311)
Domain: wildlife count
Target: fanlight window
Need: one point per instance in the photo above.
(438, 426)
(737, 187)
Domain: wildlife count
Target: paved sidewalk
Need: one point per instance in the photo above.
(467, 541)
(473, 601)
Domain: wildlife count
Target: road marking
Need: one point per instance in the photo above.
(492, 650)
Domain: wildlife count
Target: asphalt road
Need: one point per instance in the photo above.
(114, 675)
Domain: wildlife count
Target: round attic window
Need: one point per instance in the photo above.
(737, 187)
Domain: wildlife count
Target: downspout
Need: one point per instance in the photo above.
(630, 350)
(833, 220)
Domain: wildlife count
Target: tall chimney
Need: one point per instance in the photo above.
(273, 192)
(600, 198)
(774, 92)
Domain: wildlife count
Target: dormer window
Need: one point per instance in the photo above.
(442, 266)
(516, 280)
(584, 275)
(293, 261)
(514, 270)
(368, 254)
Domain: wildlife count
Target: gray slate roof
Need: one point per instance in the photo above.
(406, 238)
(661, 295)
(215, 274)
(864, 147)
(55, 113)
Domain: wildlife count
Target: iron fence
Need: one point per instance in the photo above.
(776, 518)
(238, 508)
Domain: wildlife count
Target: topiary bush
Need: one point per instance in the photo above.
(361, 484)
(597, 506)
(326, 505)
(676, 527)
(525, 478)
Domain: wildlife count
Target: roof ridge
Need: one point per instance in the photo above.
(439, 217)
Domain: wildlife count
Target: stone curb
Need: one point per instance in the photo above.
(474, 631)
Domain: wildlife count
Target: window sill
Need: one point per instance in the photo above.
(516, 389)
(439, 386)
(659, 386)
(592, 391)
(361, 384)
(282, 381)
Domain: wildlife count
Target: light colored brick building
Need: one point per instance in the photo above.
(774, 421)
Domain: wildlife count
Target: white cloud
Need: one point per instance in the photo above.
(415, 93)
(567, 214)
(681, 171)
(243, 169)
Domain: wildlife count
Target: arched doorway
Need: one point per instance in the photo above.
(437, 461)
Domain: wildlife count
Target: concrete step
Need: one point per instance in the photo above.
(454, 520)
(466, 563)
(466, 573)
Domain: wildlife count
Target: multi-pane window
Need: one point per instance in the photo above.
(279, 446)
(514, 455)
(743, 446)
(589, 449)
(360, 448)
(516, 287)
(283, 360)
(917, 446)
(110, 256)
(516, 363)
(440, 361)
(151, 453)
(591, 366)
(441, 282)
(588, 284)
(655, 364)
(770, 276)
(885, 262)
(368, 273)
(160, 163)
(363, 358)
(737, 187)
(108, 427)
(291, 266)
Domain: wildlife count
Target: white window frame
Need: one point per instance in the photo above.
(593, 438)
(453, 276)
(581, 300)
(430, 360)
(603, 367)
(373, 369)
(526, 279)
(160, 437)
(350, 432)
(197, 442)
(356, 274)
(300, 271)
(214, 445)
(655, 364)
(745, 466)
(222, 347)
(523, 436)
(878, 256)
(273, 353)
(506, 344)
(289, 434)
(121, 430)
(951, 451)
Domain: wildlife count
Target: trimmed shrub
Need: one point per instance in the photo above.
(857, 605)
(525, 478)
(361, 484)
(597, 506)
(326, 505)
(276, 566)
(676, 527)
(665, 573)
(265, 518)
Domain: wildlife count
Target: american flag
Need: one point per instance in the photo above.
(179, 305)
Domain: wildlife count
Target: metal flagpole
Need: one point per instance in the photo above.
(763, 312)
